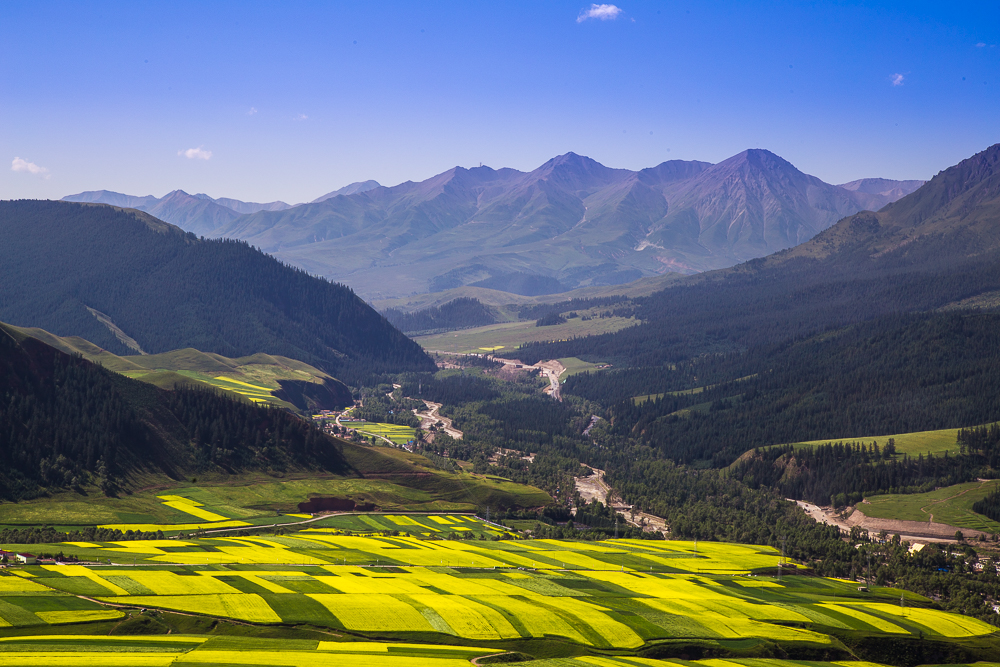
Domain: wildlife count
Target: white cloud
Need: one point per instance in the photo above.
(301, 116)
(252, 111)
(897, 79)
(981, 44)
(196, 153)
(17, 164)
(600, 12)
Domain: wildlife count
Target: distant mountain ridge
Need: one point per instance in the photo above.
(570, 223)
(199, 213)
(352, 189)
(936, 249)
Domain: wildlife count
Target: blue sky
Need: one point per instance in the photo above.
(264, 101)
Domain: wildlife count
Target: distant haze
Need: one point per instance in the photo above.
(570, 223)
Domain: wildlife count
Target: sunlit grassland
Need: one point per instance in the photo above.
(509, 335)
(574, 365)
(950, 505)
(260, 499)
(920, 442)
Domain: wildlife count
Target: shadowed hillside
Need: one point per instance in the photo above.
(133, 284)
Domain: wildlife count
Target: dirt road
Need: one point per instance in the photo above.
(551, 369)
(429, 417)
(593, 487)
(910, 531)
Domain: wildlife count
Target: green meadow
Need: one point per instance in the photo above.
(950, 505)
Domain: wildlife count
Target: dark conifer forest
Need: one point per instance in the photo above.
(67, 423)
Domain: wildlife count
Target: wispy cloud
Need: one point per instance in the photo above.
(600, 12)
(302, 116)
(17, 164)
(252, 111)
(981, 44)
(897, 79)
(196, 153)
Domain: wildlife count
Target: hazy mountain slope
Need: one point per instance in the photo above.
(570, 223)
(245, 207)
(881, 191)
(352, 189)
(190, 213)
(194, 213)
(750, 205)
(112, 198)
(62, 262)
(937, 247)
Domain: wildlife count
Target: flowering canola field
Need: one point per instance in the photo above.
(612, 595)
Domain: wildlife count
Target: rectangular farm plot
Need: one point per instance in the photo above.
(468, 618)
(191, 507)
(374, 612)
(526, 614)
(240, 606)
(19, 586)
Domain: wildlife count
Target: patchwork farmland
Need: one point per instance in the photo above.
(396, 599)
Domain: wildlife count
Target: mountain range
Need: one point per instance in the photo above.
(937, 248)
(570, 223)
(199, 214)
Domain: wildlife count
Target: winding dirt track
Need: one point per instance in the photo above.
(430, 416)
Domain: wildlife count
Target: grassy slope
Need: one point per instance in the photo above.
(193, 368)
(509, 335)
(951, 505)
(921, 442)
(392, 479)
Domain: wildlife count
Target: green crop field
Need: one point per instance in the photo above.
(951, 505)
(409, 600)
(399, 435)
(509, 335)
(425, 525)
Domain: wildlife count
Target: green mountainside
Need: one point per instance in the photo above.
(131, 283)
(258, 378)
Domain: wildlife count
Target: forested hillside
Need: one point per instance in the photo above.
(65, 422)
(458, 314)
(891, 375)
(131, 283)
